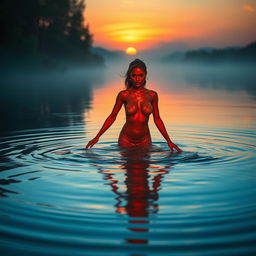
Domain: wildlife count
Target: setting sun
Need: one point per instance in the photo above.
(131, 51)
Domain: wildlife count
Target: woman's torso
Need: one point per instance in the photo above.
(138, 107)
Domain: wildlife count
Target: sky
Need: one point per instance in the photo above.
(146, 24)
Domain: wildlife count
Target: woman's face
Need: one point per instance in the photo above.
(138, 76)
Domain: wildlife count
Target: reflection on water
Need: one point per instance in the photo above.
(71, 202)
(211, 77)
(224, 78)
(58, 199)
(46, 100)
(196, 95)
(140, 191)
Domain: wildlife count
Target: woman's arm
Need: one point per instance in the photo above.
(109, 121)
(160, 125)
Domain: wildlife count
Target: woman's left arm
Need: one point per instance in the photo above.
(159, 123)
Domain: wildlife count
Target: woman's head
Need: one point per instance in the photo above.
(135, 65)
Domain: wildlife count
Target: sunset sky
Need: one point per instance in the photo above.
(118, 24)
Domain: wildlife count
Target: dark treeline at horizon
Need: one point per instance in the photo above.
(45, 32)
(233, 55)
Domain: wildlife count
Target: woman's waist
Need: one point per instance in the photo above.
(136, 127)
(133, 139)
(135, 132)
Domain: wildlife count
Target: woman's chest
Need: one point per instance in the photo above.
(138, 104)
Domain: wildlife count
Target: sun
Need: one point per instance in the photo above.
(131, 51)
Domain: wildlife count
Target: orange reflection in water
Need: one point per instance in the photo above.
(209, 108)
(183, 107)
(138, 197)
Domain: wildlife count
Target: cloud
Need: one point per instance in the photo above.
(249, 8)
(123, 32)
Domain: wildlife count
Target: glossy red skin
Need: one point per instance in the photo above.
(139, 103)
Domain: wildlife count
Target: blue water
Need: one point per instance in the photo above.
(58, 199)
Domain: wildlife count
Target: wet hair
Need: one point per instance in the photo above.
(137, 63)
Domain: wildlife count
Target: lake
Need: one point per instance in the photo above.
(58, 199)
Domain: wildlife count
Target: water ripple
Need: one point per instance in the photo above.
(57, 197)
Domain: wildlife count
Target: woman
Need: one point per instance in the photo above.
(139, 103)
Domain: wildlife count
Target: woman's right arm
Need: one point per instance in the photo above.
(109, 121)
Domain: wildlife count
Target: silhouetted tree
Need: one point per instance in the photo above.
(18, 26)
(54, 29)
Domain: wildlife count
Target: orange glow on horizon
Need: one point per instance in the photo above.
(133, 32)
(144, 24)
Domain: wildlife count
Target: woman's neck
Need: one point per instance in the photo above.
(138, 89)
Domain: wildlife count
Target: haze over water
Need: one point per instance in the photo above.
(57, 198)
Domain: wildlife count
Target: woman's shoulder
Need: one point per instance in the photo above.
(152, 93)
(123, 93)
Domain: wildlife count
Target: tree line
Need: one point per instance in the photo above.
(46, 30)
(235, 55)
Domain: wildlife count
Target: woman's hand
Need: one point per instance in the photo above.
(174, 146)
(92, 142)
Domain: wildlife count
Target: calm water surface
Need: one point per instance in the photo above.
(58, 199)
